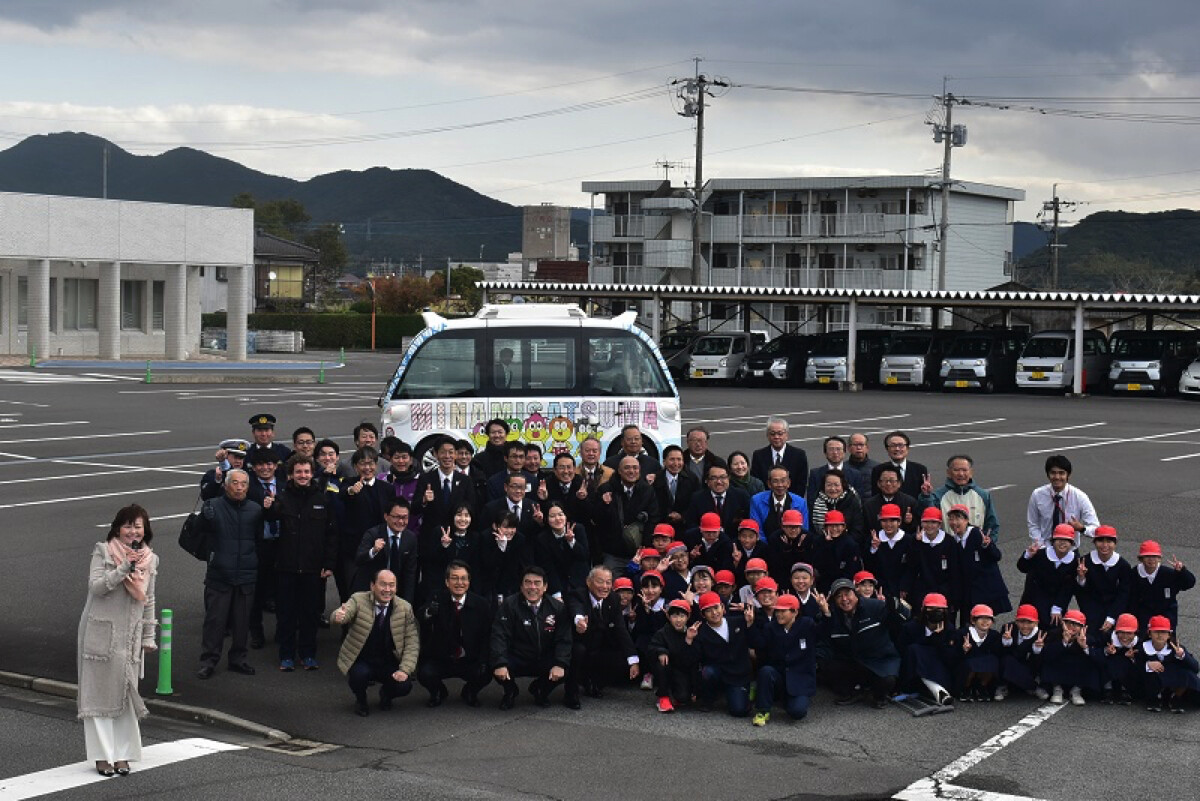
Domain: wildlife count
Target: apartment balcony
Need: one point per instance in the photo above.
(667, 254)
(754, 274)
(759, 228)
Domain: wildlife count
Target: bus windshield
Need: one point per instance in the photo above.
(542, 362)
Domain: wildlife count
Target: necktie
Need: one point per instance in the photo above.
(629, 492)
(778, 459)
(457, 650)
(380, 614)
(1058, 511)
(671, 482)
(394, 554)
(516, 510)
(779, 507)
(271, 527)
(446, 491)
(720, 503)
(566, 489)
(901, 469)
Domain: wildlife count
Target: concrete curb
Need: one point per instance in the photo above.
(160, 378)
(168, 709)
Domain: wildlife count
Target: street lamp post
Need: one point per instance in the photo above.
(371, 285)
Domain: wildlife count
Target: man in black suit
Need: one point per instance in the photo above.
(530, 638)
(699, 458)
(514, 464)
(835, 459)
(887, 490)
(517, 501)
(442, 490)
(490, 460)
(731, 504)
(625, 510)
(264, 483)
(389, 546)
(779, 452)
(363, 502)
(674, 489)
(464, 462)
(602, 652)
(455, 642)
(912, 474)
(567, 488)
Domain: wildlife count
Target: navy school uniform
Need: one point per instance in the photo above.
(787, 665)
(1159, 597)
(1177, 673)
(674, 586)
(1020, 662)
(835, 559)
(1120, 668)
(984, 655)
(935, 569)
(1068, 665)
(725, 665)
(1049, 583)
(925, 655)
(1104, 593)
(677, 678)
(782, 553)
(645, 624)
(893, 564)
(978, 579)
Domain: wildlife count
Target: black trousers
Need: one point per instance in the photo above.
(225, 607)
(264, 588)
(844, 674)
(540, 671)
(595, 668)
(671, 681)
(432, 673)
(363, 672)
(299, 598)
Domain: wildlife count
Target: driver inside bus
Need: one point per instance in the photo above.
(503, 374)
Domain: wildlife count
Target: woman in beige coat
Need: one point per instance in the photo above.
(117, 628)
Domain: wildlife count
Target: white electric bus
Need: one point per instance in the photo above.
(555, 374)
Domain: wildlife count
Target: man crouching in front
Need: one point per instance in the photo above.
(381, 643)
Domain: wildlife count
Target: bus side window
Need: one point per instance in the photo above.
(506, 367)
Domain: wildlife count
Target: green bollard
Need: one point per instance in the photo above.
(164, 656)
(149, 377)
(342, 356)
(33, 356)
(321, 377)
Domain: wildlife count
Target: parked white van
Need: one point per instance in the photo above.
(1048, 361)
(718, 357)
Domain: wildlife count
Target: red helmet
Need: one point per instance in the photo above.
(1105, 532)
(1126, 622)
(1150, 548)
(664, 530)
(931, 513)
(890, 511)
(756, 564)
(935, 600)
(1027, 612)
(623, 583)
(1063, 531)
(766, 583)
(834, 516)
(788, 602)
(1075, 616)
(864, 575)
(649, 574)
(725, 577)
(679, 605)
(981, 610)
(750, 524)
(710, 521)
(708, 600)
(1159, 623)
(792, 517)
(960, 508)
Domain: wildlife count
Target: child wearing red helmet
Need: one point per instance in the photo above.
(673, 657)
(1156, 586)
(935, 561)
(1119, 658)
(978, 648)
(1169, 672)
(927, 651)
(836, 555)
(1067, 662)
(1021, 663)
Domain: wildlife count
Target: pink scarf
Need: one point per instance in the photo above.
(139, 577)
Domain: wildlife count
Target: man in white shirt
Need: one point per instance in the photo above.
(1059, 502)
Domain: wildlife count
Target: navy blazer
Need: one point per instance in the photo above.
(794, 459)
(792, 652)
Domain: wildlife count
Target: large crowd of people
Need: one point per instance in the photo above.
(742, 582)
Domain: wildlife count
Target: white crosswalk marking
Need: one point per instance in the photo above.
(78, 774)
(42, 377)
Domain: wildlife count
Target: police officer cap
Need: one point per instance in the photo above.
(262, 421)
(235, 446)
(259, 454)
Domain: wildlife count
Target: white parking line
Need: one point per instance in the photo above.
(977, 437)
(39, 425)
(153, 519)
(938, 787)
(1114, 441)
(84, 436)
(79, 774)
(119, 471)
(1177, 458)
(137, 491)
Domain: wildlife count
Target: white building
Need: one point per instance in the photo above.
(112, 278)
(846, 233)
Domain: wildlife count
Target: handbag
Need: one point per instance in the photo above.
(192, 536)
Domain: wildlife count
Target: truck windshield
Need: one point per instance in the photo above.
(1046, 348)
(713, 346)
(1139, 348)
(909, 346)
(971, 346)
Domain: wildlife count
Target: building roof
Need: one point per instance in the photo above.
(571, 272)
(871, 297)
(826, 183)
(269, 246)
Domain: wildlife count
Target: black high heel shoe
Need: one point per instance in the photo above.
(105, 769)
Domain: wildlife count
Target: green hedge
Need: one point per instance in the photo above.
(342, 330)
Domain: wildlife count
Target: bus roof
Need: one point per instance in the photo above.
(526, 312)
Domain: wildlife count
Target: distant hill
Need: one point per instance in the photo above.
(1027, 237)
(386, 213)
(1123, 252)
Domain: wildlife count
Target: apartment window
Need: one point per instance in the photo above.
(158, 304)
(222, 274)
(133, 295)
(80, 301)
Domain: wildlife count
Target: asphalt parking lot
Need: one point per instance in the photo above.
(76, 444)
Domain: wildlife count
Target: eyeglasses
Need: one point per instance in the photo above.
(304, 442)
(897, 446)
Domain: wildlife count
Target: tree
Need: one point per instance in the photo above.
(399, 295)
(328, 240)
(462, 283)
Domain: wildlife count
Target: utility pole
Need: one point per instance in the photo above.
(951, 136)
(693, 93)
(104, 187)
(1055, 206)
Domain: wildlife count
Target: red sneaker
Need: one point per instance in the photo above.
(665, 705)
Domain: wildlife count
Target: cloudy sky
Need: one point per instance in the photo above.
(523, 100)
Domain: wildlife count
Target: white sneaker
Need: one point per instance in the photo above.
(1001, 693)
(1057, 696)
(1041, 693)
(1077, 697)
(648, 681)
